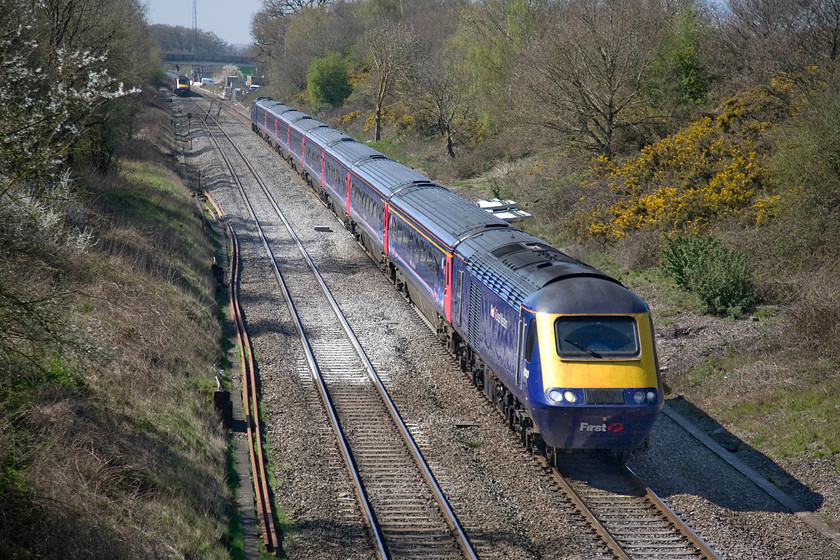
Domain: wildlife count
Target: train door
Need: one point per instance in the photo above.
(447, 287)
(459, 290)
(520, 360)
(386, 228)
(347, 198)
(527, 343)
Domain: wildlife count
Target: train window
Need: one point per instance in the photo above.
(531, 340)
(608, 337)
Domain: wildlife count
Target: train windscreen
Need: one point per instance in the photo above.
(604, 337)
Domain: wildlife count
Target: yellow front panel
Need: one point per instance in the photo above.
(595, 373)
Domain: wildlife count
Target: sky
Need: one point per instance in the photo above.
(229, 19)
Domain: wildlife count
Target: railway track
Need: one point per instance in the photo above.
(406, 511)
(250, 396)
(633, 522)
(628, 517)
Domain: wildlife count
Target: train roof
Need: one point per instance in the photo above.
(265, 102)
(388, 175)
(275, 107)
(353, 153)
(589, 295)
(516, 265)
(300, 121)
(327, 136)
(446, 215)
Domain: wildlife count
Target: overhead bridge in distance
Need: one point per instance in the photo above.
(215, 60)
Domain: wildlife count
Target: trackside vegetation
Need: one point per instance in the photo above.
(110, 445)
(110, 339)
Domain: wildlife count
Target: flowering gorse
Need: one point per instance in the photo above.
(710, 170)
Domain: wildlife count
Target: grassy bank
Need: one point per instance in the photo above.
(116, 451)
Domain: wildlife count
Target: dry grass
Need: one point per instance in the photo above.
(130, 463)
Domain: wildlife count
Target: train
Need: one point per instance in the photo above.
(565, 351)
(178, 83)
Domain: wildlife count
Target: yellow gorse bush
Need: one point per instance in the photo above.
(711, 170)
(679, 184)
(349, 118)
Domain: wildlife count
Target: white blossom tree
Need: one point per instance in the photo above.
(49, 95)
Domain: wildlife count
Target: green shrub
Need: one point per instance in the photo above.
(717, 274)
(328, 82)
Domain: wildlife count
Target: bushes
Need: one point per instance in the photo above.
(328, 81)
(715, 273)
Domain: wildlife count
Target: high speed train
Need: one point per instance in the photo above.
(179, 84)
(565, 351)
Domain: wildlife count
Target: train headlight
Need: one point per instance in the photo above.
(555, 395)
(651, 396)
(638, 397)
(570, 396)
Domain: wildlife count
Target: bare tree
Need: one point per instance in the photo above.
(762, 38)
(280, 8)
(287, 42)
(823, 28)
(444, 90)
(391, 46)
(491, 35)
(269, 32)
(584, 78)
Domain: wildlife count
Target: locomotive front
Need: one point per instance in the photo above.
(592, 374)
